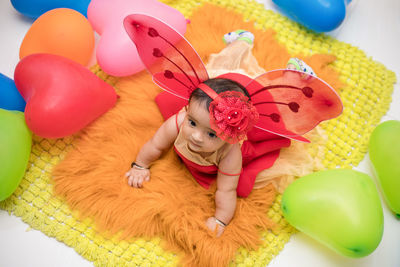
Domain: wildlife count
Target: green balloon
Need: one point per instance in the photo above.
(384, 153)
(15, 148)
(340, 208)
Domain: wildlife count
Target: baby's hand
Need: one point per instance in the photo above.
(211, 224)
(136, 177)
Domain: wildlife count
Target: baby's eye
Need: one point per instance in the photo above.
(212, 135)
(192, 123)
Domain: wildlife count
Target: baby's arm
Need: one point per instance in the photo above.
(225, 196)
(152, 150)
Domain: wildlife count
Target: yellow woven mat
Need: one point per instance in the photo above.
(368, 86)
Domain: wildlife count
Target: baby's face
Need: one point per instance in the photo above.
(197, 131)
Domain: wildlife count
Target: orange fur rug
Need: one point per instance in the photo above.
(172, 205)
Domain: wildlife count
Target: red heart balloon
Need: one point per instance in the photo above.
(62, 96)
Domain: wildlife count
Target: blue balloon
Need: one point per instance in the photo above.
(10, 98)
(317, 15)
(35, 8)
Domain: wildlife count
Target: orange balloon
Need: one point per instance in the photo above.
(62, 31)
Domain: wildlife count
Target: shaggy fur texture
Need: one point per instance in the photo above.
(172, 205)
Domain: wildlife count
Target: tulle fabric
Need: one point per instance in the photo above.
(294, 161)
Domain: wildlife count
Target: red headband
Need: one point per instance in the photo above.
(209, 91)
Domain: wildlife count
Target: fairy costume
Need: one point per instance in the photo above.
(283, 104)
(256, 157)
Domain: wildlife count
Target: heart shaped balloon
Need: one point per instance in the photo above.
(384, 152)
(15, 148)
(62, 96)
(35, 8)
(115, 52)
(10, 98)
(340, 208)
(62, 31)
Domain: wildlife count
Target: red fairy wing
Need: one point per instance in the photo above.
(279, 128)
(291, 103)
(167, 55)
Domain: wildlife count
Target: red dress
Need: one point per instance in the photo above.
(259, 151)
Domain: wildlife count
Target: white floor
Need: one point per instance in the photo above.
(373, 26)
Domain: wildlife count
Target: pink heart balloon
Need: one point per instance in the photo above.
(115, 52)
(62, 96)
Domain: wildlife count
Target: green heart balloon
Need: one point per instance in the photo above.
(15, 148)
(340, 208)
(384, 153)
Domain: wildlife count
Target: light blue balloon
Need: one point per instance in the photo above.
(317, 15)
(10, 98)
(35, 8)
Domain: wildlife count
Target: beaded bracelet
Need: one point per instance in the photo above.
(220, 222)
(134, 164)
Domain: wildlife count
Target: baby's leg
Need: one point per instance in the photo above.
(236, 56)
(298, 64)
(241, 35)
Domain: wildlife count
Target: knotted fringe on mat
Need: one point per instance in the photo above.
(172, 205)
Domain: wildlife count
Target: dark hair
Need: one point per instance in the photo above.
(219, 85)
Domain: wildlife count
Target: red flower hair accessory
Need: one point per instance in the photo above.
(232, 115)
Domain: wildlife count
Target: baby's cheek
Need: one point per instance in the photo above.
(185, 131)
